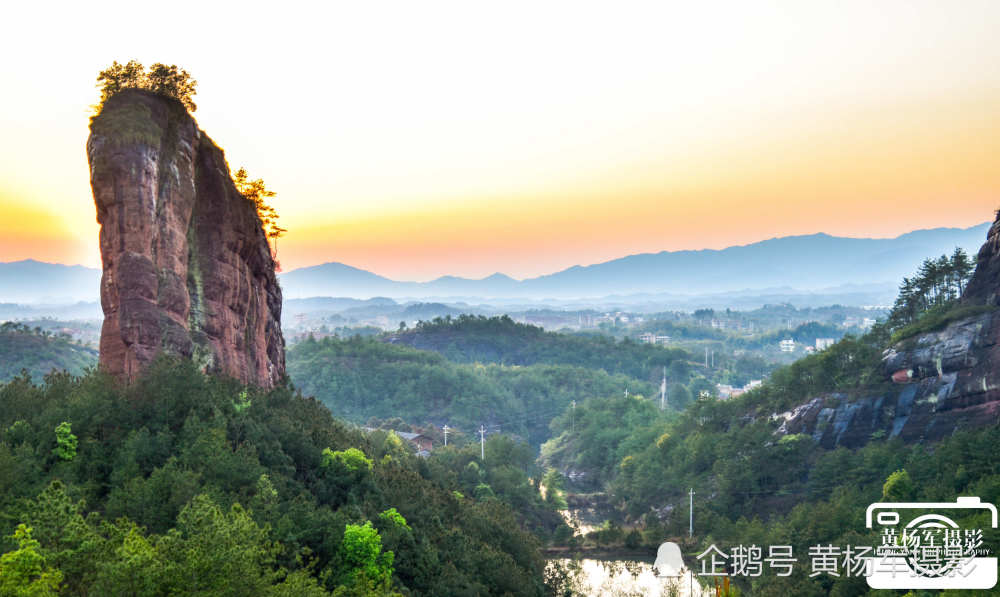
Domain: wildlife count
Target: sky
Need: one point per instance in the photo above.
(422, 139)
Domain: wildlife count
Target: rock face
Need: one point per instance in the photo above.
(187, 266)
(943, 381)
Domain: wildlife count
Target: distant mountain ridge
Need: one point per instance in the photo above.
(37, 282)
(806, 263)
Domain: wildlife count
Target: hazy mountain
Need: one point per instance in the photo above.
(817, 264)
(812, 263)
(34, 282)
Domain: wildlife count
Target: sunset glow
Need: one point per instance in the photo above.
(451, 138)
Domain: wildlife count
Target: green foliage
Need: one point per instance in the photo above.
(352, 459)
(66, 442)
(939, 317)
(898, 487)
(242, 402)
(769, 491)
(506, 475)
(937, 285)
(126, 123)
(361, 550)
(257, 193)
(168, 81)
(501, 340)
(36, 353)
(554, 484)
(853, 364)
(583, 440)
(393, 517)
(24, 571)
(361, 378)
(154, 501)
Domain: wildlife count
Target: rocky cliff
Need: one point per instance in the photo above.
(942, 381)
(187, 266)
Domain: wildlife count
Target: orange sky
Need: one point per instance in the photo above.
(452, 138)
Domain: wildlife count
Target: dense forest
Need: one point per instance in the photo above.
(187, 483)
(38, 351)
(501, 340)
(359, 378)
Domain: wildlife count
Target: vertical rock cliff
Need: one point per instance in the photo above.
(943, 380)
(187, 266)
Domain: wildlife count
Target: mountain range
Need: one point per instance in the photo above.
(815, 263)
(810, 263)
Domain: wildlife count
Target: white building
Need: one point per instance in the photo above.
(824, 343)
(787, 345)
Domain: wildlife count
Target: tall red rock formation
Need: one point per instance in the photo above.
(187, 266)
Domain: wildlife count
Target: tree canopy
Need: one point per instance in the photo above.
(169, 81)
(257, 192)
(938, 283)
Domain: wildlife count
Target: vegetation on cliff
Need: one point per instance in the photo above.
(187, 483)
(928, 300)
(132, 122)
(257, 192)
(168, 81)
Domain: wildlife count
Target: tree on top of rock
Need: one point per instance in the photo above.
(168, 81)
(257, 192)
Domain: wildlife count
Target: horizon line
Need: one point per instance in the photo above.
(578, 265)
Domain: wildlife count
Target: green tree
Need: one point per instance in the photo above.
(257, 193)
(554, 483)
(118, 77)
(361, 552)
(169, 81)
(898, 487)
(66, 442)
(24, 571)
(393, 517)
(352, 459)
(218, 553)
(172, 82)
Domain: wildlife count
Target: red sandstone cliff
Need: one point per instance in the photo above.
(187, 267)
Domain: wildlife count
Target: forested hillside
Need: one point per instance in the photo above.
(191, 484)
(756, 484)
(501, 340)
(39, 352)
(359, 378)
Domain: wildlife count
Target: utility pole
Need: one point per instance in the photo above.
(446, 434)
(626, 392)
(691, 511)
(482, 443)
(573, 416)
(706, 357)
(663, 390)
